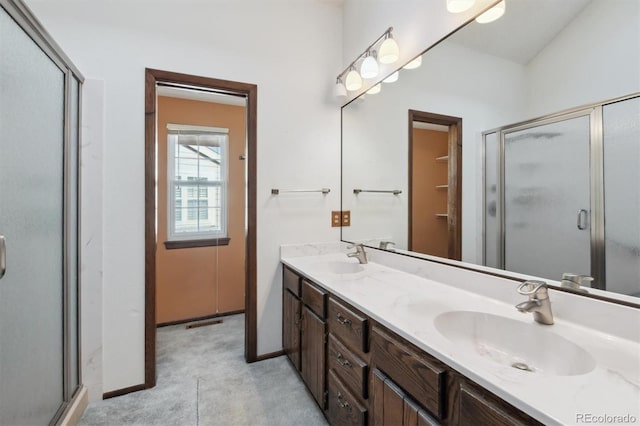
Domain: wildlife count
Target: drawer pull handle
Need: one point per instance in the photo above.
(342, 320)
(342, 361)
(342, 403)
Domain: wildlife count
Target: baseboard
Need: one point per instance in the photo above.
(206, 317)
(269, 355)
(76, 407)
(123, 391)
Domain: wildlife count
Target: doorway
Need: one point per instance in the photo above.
(435, 182)
(207, 145)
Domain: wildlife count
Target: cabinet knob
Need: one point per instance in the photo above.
(342, 320)
(342, 361)
(342, 403)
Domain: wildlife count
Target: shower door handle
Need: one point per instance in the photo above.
(3, 256)
(582, 219)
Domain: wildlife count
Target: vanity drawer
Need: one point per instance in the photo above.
(348, 366)
(419, 375)
(349, 326)
(291, 281)
(343, 407)
(479, 406)
(314, 298)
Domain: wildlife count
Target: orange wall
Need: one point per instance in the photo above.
(201, 281)
(429, 233)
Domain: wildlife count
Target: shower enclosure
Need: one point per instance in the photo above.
(39, 130)
(561, 194)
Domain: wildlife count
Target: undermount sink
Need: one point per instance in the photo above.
(340, 268)
(521, 345)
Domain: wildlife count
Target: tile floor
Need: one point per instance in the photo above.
(204, 380)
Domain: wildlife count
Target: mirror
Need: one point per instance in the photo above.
(515, 145)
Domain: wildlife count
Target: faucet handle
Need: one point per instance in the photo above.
(384, 245)
(357, 246)
(531, 287)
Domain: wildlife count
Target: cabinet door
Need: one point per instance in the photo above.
(312, 351)
(392, 407)
(291, 327)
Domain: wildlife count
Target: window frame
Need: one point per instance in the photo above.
(199, 238)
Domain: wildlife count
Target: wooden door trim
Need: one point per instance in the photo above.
(454, 196)
(250, 91)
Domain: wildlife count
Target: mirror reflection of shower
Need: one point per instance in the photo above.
(561, 195)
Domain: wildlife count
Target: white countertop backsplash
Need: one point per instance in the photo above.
(406, 294)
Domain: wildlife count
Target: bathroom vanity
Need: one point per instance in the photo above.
(381, 346)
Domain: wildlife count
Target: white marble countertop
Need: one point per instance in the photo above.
(408, 304)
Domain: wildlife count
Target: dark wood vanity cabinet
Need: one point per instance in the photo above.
(291, 316)
(362, 373)
(304, 331)
(348, 364)
(313, 340)
(404, 376)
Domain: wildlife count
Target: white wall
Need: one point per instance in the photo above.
(91, 236)
(597, 57)
(290, 49)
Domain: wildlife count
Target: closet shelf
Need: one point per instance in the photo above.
(443, 159)
(442, 186)
(442, 215)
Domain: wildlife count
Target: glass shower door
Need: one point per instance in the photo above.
(547, 212)
(31, 222)
(621, 127)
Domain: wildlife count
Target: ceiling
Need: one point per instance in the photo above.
(199, 95)
(530, 24)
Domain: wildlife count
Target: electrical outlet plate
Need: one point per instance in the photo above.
(340, 218)
(346, 218)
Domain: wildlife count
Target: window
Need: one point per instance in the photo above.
(178, 210)
(197, 174)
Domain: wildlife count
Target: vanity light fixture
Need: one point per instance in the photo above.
(414, 63)
(387, 53)
(392, 78)
(458, 6)
(353, 81)
(369, 67)
(375, 89)
(339, 91)
(492, 14)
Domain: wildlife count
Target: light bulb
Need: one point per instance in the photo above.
(353, 81)
(414, 64)
(369, 67)
(375, 89)
(458, 6)
(492, 14)
(392, 78)
(339, 91)
(389, 52)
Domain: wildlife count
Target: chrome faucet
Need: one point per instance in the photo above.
(538, 302)
(384, 245)
(359, 253)
(575, 282)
